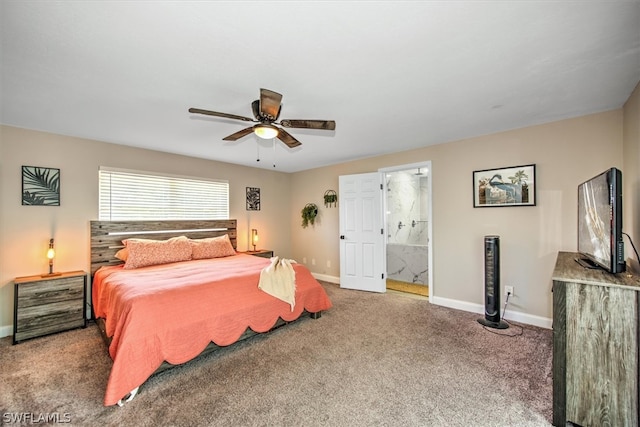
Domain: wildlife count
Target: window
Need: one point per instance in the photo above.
(131, 195)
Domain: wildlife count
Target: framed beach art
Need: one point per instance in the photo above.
(509, 186)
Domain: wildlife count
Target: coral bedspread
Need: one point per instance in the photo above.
(172, 312)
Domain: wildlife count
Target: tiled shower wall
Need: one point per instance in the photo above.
(407, 220)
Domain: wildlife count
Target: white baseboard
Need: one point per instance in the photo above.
(326, 278)
(516, 316)
(6, 331)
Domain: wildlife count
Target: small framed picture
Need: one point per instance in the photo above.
(40, 186)
(253, 199)
(510, 186)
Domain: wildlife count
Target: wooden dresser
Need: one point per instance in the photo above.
(47, 304)
(595, 345)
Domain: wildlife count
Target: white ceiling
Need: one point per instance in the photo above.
(393, 75)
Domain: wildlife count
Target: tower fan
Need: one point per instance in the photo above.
(492, 284)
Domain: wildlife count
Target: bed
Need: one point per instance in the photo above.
(158, 315)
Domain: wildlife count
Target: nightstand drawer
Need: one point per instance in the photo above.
(263, 253)
(41, 320)
(47, 304)
(50, 291)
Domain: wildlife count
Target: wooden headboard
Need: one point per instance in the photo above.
(107, 236)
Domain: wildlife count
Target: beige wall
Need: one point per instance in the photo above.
(25, 230)
(566, 153)
(631, 175)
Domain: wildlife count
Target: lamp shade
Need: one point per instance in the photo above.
(265, 131)
(254, 238)
(51, 253)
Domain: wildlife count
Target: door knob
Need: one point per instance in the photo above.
(342, 237)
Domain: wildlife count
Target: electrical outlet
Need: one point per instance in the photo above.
(508, 291)
(304, 260)
(328, 264)
(313, 261)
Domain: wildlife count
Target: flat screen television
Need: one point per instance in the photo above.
(600, 222)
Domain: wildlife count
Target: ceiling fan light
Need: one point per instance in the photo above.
(266, 131)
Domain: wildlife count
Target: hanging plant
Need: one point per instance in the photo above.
(309, 213)
(330, 198)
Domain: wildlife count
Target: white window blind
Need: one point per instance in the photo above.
(131, 195)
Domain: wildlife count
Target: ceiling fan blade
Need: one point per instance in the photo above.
(236, 136)
(285, 137)
(309, 124)
(270, 103)
(255, 108)
(215, 113)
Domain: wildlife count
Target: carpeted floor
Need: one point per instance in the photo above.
(372, 360)
(397, 285)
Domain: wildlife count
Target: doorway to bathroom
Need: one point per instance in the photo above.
(408, 228)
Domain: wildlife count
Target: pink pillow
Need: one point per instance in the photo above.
(212, 247)
(143, 252)
(122, 254)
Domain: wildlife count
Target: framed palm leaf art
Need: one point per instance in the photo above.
(40, 186)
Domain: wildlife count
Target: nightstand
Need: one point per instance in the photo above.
(46, 304)
(264, 253)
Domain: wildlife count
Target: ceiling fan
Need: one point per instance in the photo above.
(266, 111)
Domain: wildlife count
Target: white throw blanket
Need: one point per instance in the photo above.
(279, 280)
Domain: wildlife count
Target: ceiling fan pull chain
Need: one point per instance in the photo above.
(257, 151)
(274, 152)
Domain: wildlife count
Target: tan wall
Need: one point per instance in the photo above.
(25, 230)
(631, 175)
(566, 153)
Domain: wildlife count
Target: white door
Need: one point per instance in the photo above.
(361, 232)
